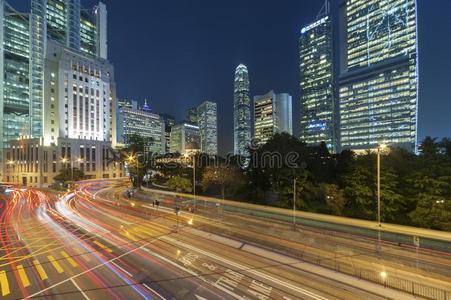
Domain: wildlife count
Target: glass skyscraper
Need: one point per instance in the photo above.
(139, 120)
(318, 109)
(207, 120)
(272, 114)
(242, 111)
(379, 74)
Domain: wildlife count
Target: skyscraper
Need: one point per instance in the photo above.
(185, 138)
(192, 116)
(378, 74)
(208, 127)
(272, 114)
(58, 89)
(318, 110)
(169, 122)
(135, 120)
(241, 111)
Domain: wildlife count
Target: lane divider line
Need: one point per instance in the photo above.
(122, 269)
(153, 291)
(79, 289)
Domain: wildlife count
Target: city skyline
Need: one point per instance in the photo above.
(117, 173)
(212, 43)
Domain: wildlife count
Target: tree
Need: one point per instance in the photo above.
(445, 144)
(433, 208)
(429, 146)
(137, 154)
(222, 176)
(179, 184)
(66, 175)
(333, 197)
(274, 165)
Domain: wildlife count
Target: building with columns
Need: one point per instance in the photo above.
(60, 101)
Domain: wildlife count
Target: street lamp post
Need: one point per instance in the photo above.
(132, 158)
(294, 204)
(194, 181)
(380, 148)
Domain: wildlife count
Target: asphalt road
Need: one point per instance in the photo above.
(97, 244)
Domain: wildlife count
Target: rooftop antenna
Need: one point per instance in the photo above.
(325, 10)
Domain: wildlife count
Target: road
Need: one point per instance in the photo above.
(94, 243)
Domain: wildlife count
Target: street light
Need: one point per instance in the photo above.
(294, 204)
(194, 178)
(380, 148)
(132, 158)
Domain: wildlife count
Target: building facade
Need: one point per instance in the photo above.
(57, 88)
(192, 116)
(169, 121)
(378, 90)
(318, 115)
(32, 163)
(135, 120)
(272, 114)
(79, 96)
(207, 120)
(185, 138)
(242, 112)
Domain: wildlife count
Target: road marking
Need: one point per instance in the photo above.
(55, 264)
(92, 269)
(129, 236)
(23, 276)
(40, 269)
(82, 254)
(189, 271)
(4, 283)
(153, 291)
(79, 289)
(241, 267)
(103, 246)
(69, 259)
(122, 269)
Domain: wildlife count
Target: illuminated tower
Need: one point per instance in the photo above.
(378, 74)
(318, 117)
(241, 111)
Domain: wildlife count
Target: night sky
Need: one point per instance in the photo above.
(178, 53)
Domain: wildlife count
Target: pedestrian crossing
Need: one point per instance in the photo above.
(25, 274)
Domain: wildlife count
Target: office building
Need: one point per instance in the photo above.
(58, 89)
(185, 138)
(318, 114)
(141, 121)
(241, 112)
(378, 74)
(272, 114)
(168, 121)
(207, 120)
(192, 116)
